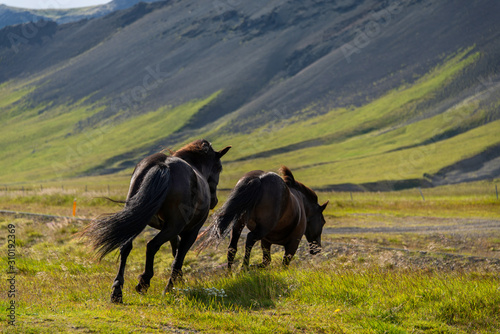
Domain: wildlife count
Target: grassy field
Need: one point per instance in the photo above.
(476, 199)
(406, 279)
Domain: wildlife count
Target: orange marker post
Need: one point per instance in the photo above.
(74, 208)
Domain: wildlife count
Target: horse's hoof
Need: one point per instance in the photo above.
(116, 298)
(169, 287)
(142, 288)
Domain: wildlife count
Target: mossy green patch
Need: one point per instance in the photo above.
(49, 146)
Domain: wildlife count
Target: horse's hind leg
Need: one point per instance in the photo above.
(175, 244)
(151, 249)
(266, 253)
(252, 238)
(233, 243)
(117, 295)
(186, 241)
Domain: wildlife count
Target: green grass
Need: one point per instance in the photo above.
(438, 203)
(61, 151)
(360, 283)
(474, 199)
(359, 160)
(61, 288)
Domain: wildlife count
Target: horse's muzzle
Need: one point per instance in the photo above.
(314, 248)
(213, 202)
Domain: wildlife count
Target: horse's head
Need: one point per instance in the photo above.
(201, 155)
(315, 223)
(314, 211)
(213, 177)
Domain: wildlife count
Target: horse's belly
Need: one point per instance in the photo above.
(251, 225)
(156, 223)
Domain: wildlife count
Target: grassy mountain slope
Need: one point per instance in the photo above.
(273, 79)
(382, 140)
(66, 152)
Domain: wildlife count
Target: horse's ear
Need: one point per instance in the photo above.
(223, 151)
(323, 207)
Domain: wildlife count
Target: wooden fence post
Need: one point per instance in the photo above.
(421, 193)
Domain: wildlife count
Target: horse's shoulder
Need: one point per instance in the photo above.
(146, 163)
(271, 176)
(182, 168)
(156, 158)
(171, 160)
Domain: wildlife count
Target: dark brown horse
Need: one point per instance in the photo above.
(276, 211)
(171, 193)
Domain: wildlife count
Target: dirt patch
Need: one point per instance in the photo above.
(423, 225)
(429, 243)
(389, 258)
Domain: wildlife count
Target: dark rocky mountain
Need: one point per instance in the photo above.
(262, 54)
(269, 59)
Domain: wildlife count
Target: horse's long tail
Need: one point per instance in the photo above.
(109, 232)
(238, 205)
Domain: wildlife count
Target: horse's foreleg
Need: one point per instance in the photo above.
(233, 243)
(117, 295)
(266, 252)
(186, 241)
(151, 249)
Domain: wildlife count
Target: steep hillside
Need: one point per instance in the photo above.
(366, 92)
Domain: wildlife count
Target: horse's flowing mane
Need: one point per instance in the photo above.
(198, 148)
(287, 176)
(290, 181)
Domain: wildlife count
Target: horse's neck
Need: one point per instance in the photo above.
(302, 198)
(199, 167)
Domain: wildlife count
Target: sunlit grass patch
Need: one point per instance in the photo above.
(62, 288)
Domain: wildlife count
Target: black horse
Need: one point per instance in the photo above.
(171, 193)
(276, 211)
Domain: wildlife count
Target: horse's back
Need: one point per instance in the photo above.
(278, 211)
(141, 169)
(273, 198)
(273, 190)
(188, 197)
(180, 171)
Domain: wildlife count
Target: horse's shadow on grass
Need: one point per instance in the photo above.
(253, 289)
